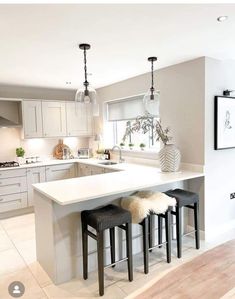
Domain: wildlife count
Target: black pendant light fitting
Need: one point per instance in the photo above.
(152, 59)
(85, 47)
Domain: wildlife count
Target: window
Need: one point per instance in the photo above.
(122, 113)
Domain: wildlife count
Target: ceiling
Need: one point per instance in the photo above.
(39, 42)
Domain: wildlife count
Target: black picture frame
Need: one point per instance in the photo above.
(217, 124)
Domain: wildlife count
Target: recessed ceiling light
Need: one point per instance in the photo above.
(222, 18)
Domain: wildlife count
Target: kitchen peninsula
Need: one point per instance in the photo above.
(58, 205)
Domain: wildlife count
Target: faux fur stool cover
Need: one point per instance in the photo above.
(142, 202)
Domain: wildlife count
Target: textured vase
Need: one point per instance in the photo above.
(170, 158)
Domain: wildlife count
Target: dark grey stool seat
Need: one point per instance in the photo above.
(107, 217)
(184, 199)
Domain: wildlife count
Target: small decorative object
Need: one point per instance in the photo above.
(170, 158)
(169, 155)
(20, 155)
(131, 145)
(142, 146)
(61, 151)
(224, 122)
(122, 145)
(87, 94)
(100, 153)
(151, 98)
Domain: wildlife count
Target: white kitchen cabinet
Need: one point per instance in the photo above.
(86, 169)
(32, 119)
(13, 190)
(79, 119)
(13, 185)
(96, 170)
(60, 172)
(14, 201)
(34, 175)
(54, 118)
(12, 173)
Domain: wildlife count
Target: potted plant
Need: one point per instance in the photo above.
(131, 145)
(169, 155)
(20, 154)
(142, 146)
(122, 145)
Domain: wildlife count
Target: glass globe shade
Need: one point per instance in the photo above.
(88, 99)
(152, 105)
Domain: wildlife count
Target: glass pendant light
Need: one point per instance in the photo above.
(87, 94)
(152, 97)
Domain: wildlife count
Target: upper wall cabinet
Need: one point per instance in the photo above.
(79, 119)
(32, 119)
(54, 119)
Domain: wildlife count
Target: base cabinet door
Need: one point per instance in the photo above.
(97, 170)
(34, 175)
(60, 172)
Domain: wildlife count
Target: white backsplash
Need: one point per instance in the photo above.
(10, 140)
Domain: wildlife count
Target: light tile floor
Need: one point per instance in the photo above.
(18, 263)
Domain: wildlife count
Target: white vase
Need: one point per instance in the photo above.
(170, 158)
(20, 160)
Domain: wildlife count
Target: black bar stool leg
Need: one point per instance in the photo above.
(112, 244)
(129, 250)
(85, 250)
(151, 231)
(168, 235)
(159, 230)
(196, 223)
(179, 231)
(100, 249)
(145, 245)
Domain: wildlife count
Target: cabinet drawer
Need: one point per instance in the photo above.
(13, 185)
(13, 202)
(12, 173)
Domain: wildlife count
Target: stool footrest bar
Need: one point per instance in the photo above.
(117, 262)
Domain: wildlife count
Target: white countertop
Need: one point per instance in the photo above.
(42, 163)
(131, 177)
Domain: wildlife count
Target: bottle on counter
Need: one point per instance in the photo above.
(106, 154)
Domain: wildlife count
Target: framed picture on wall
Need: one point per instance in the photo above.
(224, 122)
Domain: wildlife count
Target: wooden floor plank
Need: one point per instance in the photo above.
(208, 276)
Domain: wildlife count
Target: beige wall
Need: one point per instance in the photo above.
(181, 106)
(29, 92)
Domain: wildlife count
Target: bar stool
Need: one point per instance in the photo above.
(147, 226)
(184, 199)
(107, 217)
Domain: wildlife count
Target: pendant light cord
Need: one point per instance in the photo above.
(152, 87)
(86, 83)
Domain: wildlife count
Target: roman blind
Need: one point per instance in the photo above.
(125, 109)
